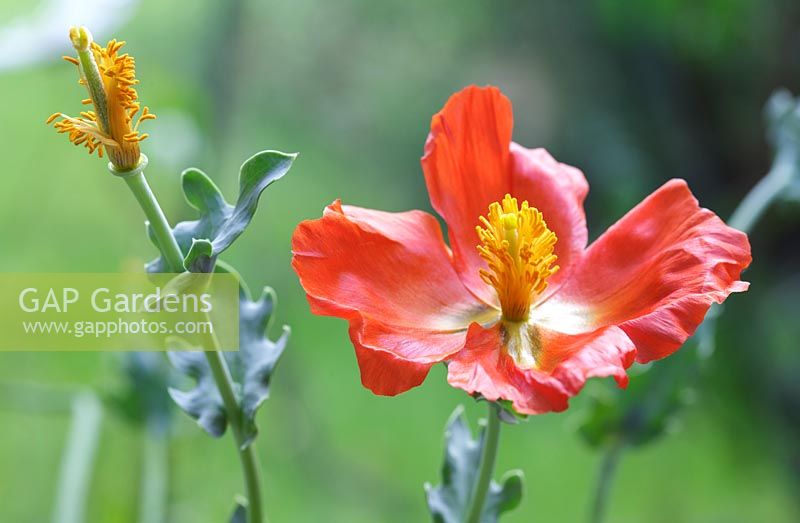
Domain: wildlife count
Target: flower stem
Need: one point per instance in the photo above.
(247, 455)
(161, 229)
(766, 191)
(486, 466)
(219, 368)
(605, 479)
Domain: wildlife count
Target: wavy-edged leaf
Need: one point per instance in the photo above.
(256, 174)
(221, 223)
(251, 369)
(257, 356)
(203, 401)
(450, 501)
(202, 241)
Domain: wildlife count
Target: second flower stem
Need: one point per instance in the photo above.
(174, 257)
(486, 466)
(605, 479)
(766, 191)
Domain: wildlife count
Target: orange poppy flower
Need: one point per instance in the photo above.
(517, 306)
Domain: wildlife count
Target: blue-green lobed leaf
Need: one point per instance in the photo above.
(203, 401)
(450, 501)
(221, 223)
(257, 356)
(256, 174)
(251, 369)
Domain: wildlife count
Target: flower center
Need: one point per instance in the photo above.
(518, 248)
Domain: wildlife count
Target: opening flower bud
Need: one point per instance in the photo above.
(113, 126)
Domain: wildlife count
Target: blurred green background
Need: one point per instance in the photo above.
(633, 93)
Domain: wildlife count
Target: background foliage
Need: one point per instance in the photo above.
(631, 92)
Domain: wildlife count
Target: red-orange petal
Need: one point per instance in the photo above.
(383, 372)
(654, 273)
(391, 276)
(470, 162)
(394, 267)
(466, 165)
(558, 191)
(484, 367)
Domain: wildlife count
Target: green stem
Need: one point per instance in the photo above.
(766, 191)
(247, 454)
(161, 229)
(154, 472)
(219, 368)
(486, 467)
(78, 459)
(155, 476)
(605, 479)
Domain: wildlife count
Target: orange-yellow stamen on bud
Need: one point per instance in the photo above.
(109, 77)
(518, 248)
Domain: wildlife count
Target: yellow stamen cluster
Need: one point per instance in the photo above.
(518, 248)
(110, 126)
(83, 130)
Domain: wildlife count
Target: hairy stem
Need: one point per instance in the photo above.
(486, 467)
